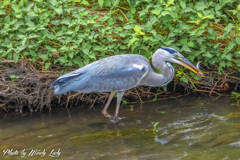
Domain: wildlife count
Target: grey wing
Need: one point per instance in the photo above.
(119, 78)
(117, 73)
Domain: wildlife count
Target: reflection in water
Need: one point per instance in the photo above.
(192, 127)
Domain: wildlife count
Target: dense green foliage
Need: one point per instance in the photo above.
(77, 32)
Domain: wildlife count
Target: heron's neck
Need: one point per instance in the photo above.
(156, 79)
(167, 71)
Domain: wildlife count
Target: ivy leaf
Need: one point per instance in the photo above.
(229, 57)
(2, 11)
(184, 79)
(100, 2)
(6, 2)
(54, 2)
(222, 64)
(231, 45)
(199, 15)
(216, 45)
(32, 14)
(15, 57)
(207, 54)
(157, 12)
(165, 13)
(120, 18)
(43, 56)
(138, 31)
(210, 30)
(47, 65)
(59, 10)
(209, 17)
(134, 39)
(228, 28)
(71, 55)
(186, 48)
(183, 4)
(129, 26)
(16, 8)
(238, 40)
(190, 44)
(92, 56)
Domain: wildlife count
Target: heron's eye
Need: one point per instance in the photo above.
(176, 56)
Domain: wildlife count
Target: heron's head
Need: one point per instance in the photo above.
(175, 57)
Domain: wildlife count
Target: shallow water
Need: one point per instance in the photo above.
(191, 127)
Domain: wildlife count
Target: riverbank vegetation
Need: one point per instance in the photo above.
(48, 38)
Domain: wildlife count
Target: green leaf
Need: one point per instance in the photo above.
(6, 2)
(222, 64)
(208, 17)
(229, 64)
(231, 45)
(184, 79)
(207, 54)
(186, 48)
(92, 56)
(199, 15)
(6, 19)
(134, 39)
(86, 48)
(47, 64)
(2, 11)
(12, 76)
(157, 12)
(100, 2)
(216, 45)
(43, 56)
(54, 2)
(71, 55)
(238, 40)
(138, 31)
(183, 4)
(165, 13)
(107, 3)
(15, 57)
(210, 30)
(86, 60)
(229, 57)
(124, 102)
(16, 8)
(59, 10)
(228, 28)
(120, 18)
(62, 59)
(190, 44)
(64, 49)
(32, 14)
(130, 26)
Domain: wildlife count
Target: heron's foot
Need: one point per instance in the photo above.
(106, 114)
(114, 119)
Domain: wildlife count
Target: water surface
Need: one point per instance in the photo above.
(191, 127)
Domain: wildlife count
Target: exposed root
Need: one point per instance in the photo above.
(31, 90)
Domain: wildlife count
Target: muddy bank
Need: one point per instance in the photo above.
(25, 85)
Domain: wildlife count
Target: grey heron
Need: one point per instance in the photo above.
(118, 73)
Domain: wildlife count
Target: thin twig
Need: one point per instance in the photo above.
(52, 29)
(123, 14)
(138, 95)
(93, 103)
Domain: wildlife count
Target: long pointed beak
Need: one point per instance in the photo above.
(184, 62)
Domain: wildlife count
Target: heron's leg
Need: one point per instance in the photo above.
(104, 111)
(119, 98)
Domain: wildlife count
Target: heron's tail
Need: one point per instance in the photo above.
(66, 83)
